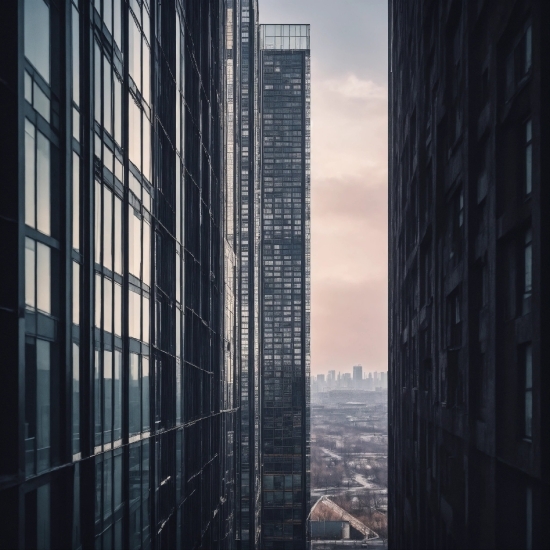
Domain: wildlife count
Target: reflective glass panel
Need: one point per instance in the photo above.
(43, 278)
(37, 36)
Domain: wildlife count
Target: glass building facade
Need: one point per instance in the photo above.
(243, 169)
(118, 313)
(285, 283)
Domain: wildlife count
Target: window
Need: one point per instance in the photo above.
(37, 36)
(519, 60)
(76, 201)
(527, 361)
(37, 405)
(528, 157)
(76, 398)
(38, 292)
(37, 180)
(527, 271)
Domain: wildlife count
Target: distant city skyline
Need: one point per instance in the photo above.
(349, 177)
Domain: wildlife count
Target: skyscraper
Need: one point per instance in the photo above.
(117, 308)
(285, 283)
(469, 277)
(243, 170)
(358, 374)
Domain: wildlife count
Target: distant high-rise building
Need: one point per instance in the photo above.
(358, 373)
(320, 378)
(331, 375)
(285, 288)
(469, 276)
(117, 310)
(370, 382)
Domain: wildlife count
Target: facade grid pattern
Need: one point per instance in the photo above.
(284, 307)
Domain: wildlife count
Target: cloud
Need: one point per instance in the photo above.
(349, 231)
(352, 87)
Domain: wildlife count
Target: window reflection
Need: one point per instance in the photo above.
(107, 305)
(76, 398)
(107, 395)
(118, 236)
(146, 422)
(37, 36)
(37, 180)
(134, 395)
(118, 310)
(107, 98)
(43, 278)
(76, 55)
(30, 266)
(146, 253)
(76, 201)
(134, 132)
(76, 293)
(97, 223)
(107, 228)
(37, 405)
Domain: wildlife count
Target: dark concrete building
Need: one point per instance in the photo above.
(117, 320)
(285, 284)
(469, 277)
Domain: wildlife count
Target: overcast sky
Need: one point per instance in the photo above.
(349, 177)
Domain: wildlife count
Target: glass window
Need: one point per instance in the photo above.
(43, 278)
(528, 262)
(528, 157)
(107, 395)
(134, 315)
(98, 300)
(146, 423)
(76, 201)
(37, 36)
(145, 92)
(107, 97)
(117, 398)
(134, 395)
(134, 45)
(76, 293)
(118, 310)
(76, 124)
(97, 397)
(108, 14)
(145, 314)
(43, 402)
(76, 398)
(107, 228)
(97, 223)
(30, 142)
(28, 87)
(43, 520)
(117, 110)
(76, 56)
(528, 413)
(41, 102)
(43, 210)
(146, 253)
(146, 148)
(118, 235)
(30, 266)
(134, 242)
(117, 18)
(107, 304)
(37, 180)
(97, 83)
(134, 132)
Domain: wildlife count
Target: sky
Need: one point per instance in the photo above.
(349, 60)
